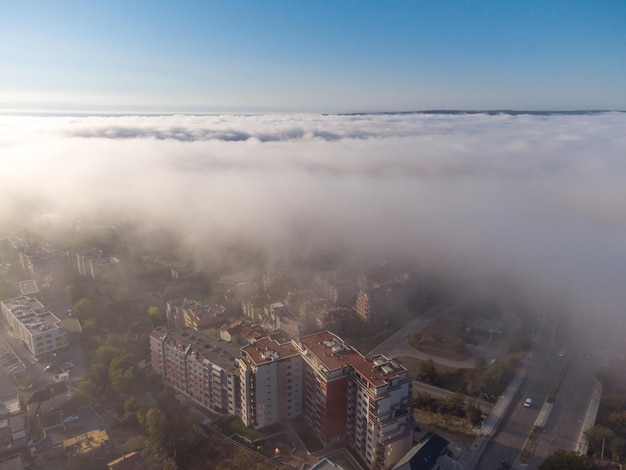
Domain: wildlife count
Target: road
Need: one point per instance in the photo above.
(562, 427)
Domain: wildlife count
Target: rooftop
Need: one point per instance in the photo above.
(32, 314)
(267, 350)
(335, 354)
(203, 346)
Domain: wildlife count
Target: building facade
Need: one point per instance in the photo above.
(184, 359)
(364, 402)
(271, 382)
(38, 328)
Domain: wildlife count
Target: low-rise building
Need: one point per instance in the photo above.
(190, 313)
(92, 262)
(43, 264)
(38, 328)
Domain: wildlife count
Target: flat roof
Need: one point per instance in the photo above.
(335, 354)
(218, 352)
(267, 350)
(32, 314)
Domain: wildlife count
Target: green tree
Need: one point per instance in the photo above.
(427, 372)
(473, 414)
(566, 459)
(72, 293)
(597, 436)
(453, 404)
(122, 375)
(156, 426)
(83, 306)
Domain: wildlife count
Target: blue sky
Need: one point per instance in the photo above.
(312, 56)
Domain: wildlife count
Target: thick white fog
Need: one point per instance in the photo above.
(539, 196)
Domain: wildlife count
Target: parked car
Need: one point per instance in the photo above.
(70, 419)
(68, 365)
(528, 403)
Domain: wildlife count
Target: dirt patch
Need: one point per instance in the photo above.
(456, 430)
(443, 338)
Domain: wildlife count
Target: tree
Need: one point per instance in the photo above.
(83, 306)
(122, 374)
(156, 426)
(566, 459)
(453, 404)
(71, 292)
(427, 372)
(596, 436)
(473, 414)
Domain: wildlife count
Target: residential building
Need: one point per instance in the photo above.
(193, 314)
(271, 382)
(382, 298)
(337, 290)
(39, 329)
(92, 262)
(364, 402)
(198, 366)
(253, 306)
(43, 264)
(11, 248)
(278, 317)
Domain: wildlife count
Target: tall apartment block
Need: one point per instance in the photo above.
(364, 402)
(195, 365)
(271, 382)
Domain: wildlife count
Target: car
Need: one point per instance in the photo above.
(589, 356)
(528, 402)
(562, 354)
(68, 365)
(70, 419)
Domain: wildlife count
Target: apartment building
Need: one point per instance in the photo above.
(271, 382)
(11, 247)
(364, 402)
(190, 313)
(43, 264)
(92, 262)
(32, 323)
(381, 298)
(198, 366)
(348, 399)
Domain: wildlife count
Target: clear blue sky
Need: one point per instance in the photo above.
(312, 55)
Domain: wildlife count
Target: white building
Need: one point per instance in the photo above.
(37, 327)
(271, 382)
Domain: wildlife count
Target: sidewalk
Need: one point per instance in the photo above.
(590, 416)
(472, 456)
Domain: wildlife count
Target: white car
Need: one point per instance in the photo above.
(528, 403)
(562, 354)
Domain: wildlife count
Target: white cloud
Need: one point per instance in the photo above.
(541, 195)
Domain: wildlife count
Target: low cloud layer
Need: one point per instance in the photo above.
(539, 196)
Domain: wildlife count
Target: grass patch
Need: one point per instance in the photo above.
(531, 443)
(233, 425)
(306, 434)
(459, 428)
